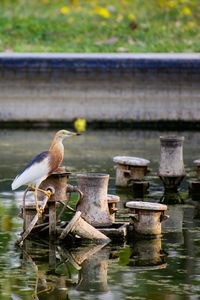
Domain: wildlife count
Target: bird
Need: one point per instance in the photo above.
(42, 165)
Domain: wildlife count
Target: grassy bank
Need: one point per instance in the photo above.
(100, 26)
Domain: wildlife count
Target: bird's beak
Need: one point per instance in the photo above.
(75, 133)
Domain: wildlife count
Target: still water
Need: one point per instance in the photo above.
(163, 268)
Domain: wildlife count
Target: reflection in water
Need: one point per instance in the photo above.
(175, 221)
(93, 274)
(48, 270)
(173, 226)
(53, 274)
(171, 198)
(147, 253)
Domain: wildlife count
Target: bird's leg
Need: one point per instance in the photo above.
(36, 202)
(35, 191)
(48, 194)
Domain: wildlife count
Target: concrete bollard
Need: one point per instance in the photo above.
(58, 180)
(171, 167)
(146, 217)
(78, 226)
(112, 201)
(129, 169)
(94, 203)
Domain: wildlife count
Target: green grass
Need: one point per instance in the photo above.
(100, 26)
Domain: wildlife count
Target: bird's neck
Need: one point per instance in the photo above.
(57, 150)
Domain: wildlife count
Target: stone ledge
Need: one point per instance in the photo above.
(100, 62)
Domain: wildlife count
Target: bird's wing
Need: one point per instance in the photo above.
(36, 169)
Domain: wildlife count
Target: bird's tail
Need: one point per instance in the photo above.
(15, 184)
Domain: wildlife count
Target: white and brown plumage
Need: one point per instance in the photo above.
(42, 165)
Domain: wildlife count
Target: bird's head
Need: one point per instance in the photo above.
(63, 134)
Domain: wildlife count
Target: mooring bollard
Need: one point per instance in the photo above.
(94, 203)
(171, 168)
(146, 217)
(58, 180)
(78, 226)
(112, 201)
(130, 169)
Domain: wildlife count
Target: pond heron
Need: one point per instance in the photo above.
(42, 165)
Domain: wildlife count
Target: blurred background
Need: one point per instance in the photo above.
(99, 26)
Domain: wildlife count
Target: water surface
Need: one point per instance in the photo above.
(166, 268)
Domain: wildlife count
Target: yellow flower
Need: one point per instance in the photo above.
(131, 17)
(171, 4)
(186, 11)
(64, 10)
(103, 12)
(190, 26)
(80, 124)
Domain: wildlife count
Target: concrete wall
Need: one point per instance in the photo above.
(55, 87)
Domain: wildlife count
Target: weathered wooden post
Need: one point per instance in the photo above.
(52, 219)
(58, 182)
(52, 256)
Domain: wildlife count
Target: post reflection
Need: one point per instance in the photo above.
(147, 254)
(173, 226)
(93, 274)
(57, 269)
